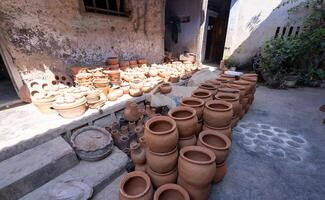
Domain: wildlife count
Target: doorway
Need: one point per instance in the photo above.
(216, 29)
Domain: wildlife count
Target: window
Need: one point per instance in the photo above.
(108, 7)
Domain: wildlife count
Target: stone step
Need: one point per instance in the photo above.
(31, 169)
(96, 174)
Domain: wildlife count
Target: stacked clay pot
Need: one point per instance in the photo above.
(186, 122)
(138, 156)
(220, 145)
(197, 169)
(161, 136)
(171, 192)
(234, 100)
(205, 95)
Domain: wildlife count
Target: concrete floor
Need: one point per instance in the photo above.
(278, 149)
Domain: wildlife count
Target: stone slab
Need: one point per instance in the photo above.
(96, 174)
(29, 170)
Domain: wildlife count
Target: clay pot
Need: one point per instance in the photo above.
(100, 83)
(125, 87)
(112, 96)
(162, 179)
(233, 99)
(205, 95)
(184, 142)
(123, 142)
(136, 84)
(174, 79)
(196, 103)
(245, 84)
(241, 89)
(218, 143)
(139, 131)
(222, 81)
(146, 87)
(228, 77)
(251, 78)
(138, 155)
(142, 61)
(210, 87)
(44, 105)
(217, 113)
(162, 162)
(131, 112)
(234, 121)
(71, 110)
(199, 127)
(115, 67)
(186, 120)
(171, 192)
(221, 171)
(135, 92)
(165, 88)
(161, 134)
(112, 61)
(245, 103)
(136, 186)
(214, 82)
(124, 130)
(196, 165)
(141, 168)
(131, 126)
(196, 193)
(142, 142)
(223, 130)
(133, 62)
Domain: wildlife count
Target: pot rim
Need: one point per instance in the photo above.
(241, 82)
(234, 86)
(222, 79)
(187, 138)
(133, 174)
(214, 133)
(200, 149)
(161, 118)
(171, 186)
(163, 154)
(214, 128)
(207, 86)
(192, 99)
(225, 103)
(179, 109)
(163, 174)
(220, 165)
(208, 93)
(234, 97)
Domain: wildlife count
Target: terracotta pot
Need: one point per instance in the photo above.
(124, 130)
(210, 87)
(186, 120)
(112, 61)
(136, 84)
(100, 83)
(162, 162)
(165, 88)
(217, 113)
(115, 135)
(245, 84)
(199, 127)
(230, 78)
(135, 92)
(142, 61)
(123, 142)
(205, 95)
(184, 142)
(223, 130)
(132, 126)
(73, 110)
(233, 99)
(196, 193)
(251, 78)
(44, 105)
(115, 67)
(241, 89)
(174, 79)
(196, 103)
(141, 168)
(146, 87)
(139, 131)
(112, 96)
(162, 179)
(222, 80)
(138, 155)
(214, 82)
(136, 186)
(221, 171)
(234, 121)
(217, 142)
(196, 165)
(161, 134)
(171, 192)
(133, 62)
(245, 103)
(131, 112)
(142, 142)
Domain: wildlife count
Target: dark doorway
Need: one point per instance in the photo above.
(216, 29)
(8, 95)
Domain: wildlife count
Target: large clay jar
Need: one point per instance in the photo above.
(223, 130)
(197, 165)
(138, 155)
(199, 127)
(141, 168)
(210, 87)
(205, 95)
(162, 162)
(217, 113)
(221, 170)
(186, 120)
(229, 77)
(196, 193)
(216, 142)
(142, 142)
(184, 142)
(241, 90)
(244, 84)
(136, 186)
(233, 99)
(196, 103)
(171, 192)
(162, 179)
(131, 112)
(214, 82)
(165, 88)
(161, 134)
(251, 78)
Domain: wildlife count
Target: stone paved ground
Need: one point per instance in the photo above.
(278, 149)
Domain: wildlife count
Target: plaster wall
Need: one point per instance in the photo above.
(41, 34)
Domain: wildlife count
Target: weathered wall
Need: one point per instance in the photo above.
(59, 33)
(251, 24)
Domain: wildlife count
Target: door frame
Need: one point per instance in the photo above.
(210, 13)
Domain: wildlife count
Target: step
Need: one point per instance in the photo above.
(110, 192)
(96, 174)
(29, 170)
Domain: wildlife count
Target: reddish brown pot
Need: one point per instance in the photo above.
(230, 78)
(196, 103)
(251, 78)
(221, 171)
(162, 179)
(196, 193)
(216, 142)
(114, 75)
(205, 95)
(186, 120)
(171, 192)
(141, 168)
(161, 134)
(241, 90)
(138, 155)
(142, 142)
(184, 142)
(233, 99)
(234, 121)
(199, 127)
(223, 81)
(115, 67)
(210, 87)
(142, 61)
(217, 113)
(165, 88)
(131, 112)
(245, 103)
(136, 186)
(133, 62)
(112, 61)
(223, 130)
(196, 165)
(214, 82)
(162, 162)
(245, 84)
